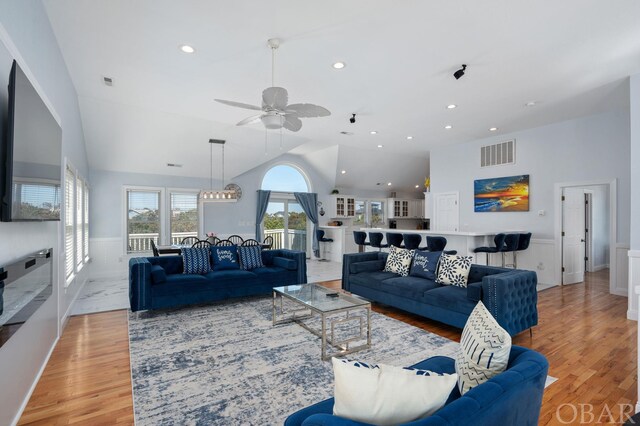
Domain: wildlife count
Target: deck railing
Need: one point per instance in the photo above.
(297, 238)
(142, 242)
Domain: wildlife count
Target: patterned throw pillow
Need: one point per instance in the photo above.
(387, 395)
(454, 270)
(484, 349)
(225, 257)
(399, 261)
(250, 257)
(195, 260)
(425, 264)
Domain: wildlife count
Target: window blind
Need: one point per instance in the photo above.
(184, 216)
(78, 221)
(69, 184)
(86, 222)
(143, 219)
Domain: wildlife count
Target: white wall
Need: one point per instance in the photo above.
(600, 225)
(634, 252)
(585, 149)
(25, 35)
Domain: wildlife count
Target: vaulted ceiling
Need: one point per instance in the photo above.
(569, 56)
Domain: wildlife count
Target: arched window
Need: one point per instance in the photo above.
(285, 178)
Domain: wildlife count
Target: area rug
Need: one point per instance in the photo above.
(226, 364)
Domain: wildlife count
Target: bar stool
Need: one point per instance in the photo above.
(523, 244)
(510, 245)
(412, 241)
(375, 239)
(498, 240)
(436, 243)
(322, 239)
(394, 239)
(360, 239)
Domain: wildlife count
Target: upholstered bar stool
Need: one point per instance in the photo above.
(375, 239)
(523, 244)
(394, 239)
(510, 245)
(412, 241)
(498, 240)
(360, 238)
(322, 239)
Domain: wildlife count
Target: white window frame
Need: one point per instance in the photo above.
(125, 214)
(77, 266)
(199, 206)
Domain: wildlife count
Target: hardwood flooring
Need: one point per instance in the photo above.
(583, 332)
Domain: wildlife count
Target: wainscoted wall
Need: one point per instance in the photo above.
(634, 283)
(538, 257)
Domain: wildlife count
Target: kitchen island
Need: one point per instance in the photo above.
(463, 242)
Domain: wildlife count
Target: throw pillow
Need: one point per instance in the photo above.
(195, 260)
(250, 257)
(225, 257)
(484, 349)
(387, 395)
(454, 270)
(399, 261)
(425, 264)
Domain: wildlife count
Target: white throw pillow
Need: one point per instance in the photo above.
(386, 395)
(454, 270)
(484, 349)
(399, 261)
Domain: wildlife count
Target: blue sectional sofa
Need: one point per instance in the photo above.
(513, 397)
(509, 294)
(159, 282)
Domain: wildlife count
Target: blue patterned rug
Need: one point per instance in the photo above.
(226, 364)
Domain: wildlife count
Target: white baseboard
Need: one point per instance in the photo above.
(65, 317)
(16, 419)
(632, 315)
(600, 267)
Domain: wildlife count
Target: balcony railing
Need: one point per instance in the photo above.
(142, 242)
(297, 238)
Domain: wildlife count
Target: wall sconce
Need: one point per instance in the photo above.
(321, 211)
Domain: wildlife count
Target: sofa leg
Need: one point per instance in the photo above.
(530, 331)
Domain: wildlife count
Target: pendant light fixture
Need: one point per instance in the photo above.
(222, 195)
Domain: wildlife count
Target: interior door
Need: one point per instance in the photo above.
(446, 212)
(573, 223)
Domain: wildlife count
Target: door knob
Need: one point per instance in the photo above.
(581, 240)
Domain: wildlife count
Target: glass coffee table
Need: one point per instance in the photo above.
(345, 320)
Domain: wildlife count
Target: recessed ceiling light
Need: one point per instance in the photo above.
(388, 183)
(417, 186)
(343, 172)
(451, 106)
(409, 137)
(448, 126)
(373, 132)
(530, 103)
(187, 49)
(380, 146)
(493, 129)
(339, 65)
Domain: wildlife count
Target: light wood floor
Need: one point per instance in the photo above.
(583, 332)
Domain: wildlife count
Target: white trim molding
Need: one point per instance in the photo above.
(634, 284)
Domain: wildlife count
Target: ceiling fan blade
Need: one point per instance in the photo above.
(293, 123)
(275, 97)
(239, 104)
(250, 120)
(308, 110)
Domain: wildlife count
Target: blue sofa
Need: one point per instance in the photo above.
(509, 294)
(513, 397)
(159, 282)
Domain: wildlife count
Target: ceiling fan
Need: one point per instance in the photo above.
(275, 111)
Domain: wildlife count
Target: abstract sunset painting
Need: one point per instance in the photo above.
(504, 194)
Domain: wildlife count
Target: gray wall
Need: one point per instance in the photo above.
(25, 33)
(584, 149)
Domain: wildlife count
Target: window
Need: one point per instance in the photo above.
(184, 216)
(76, 222)
(285, 178)
(143, 219)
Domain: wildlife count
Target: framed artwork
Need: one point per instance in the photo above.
(503, 194)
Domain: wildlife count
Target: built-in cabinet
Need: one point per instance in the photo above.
(409, 209)
(343, 206)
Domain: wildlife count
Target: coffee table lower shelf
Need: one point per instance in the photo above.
(329, 321)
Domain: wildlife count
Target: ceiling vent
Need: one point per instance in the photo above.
(173, 165)
(108, 81)
(498, 154)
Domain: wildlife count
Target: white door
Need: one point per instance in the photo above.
(573, 235)
(446, 212)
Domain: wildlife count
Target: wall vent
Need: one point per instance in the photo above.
(498, 154)
(108, 81)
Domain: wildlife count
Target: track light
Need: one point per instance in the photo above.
(352, 119)
(460, 72)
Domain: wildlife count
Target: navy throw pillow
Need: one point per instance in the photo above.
(225, 257)
(196, 260)
(250, 257)
(424, 264)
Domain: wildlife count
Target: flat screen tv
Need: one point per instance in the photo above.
(30, 156)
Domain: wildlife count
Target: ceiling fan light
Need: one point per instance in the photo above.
(272, 121)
